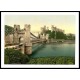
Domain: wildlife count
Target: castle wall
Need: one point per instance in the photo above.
(9, 39)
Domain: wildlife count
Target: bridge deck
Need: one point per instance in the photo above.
(15, 46)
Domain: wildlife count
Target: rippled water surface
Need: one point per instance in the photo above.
(50, 50)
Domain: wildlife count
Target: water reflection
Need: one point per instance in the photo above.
(49, 50)
(37, 48)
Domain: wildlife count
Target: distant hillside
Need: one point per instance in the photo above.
(8, 30)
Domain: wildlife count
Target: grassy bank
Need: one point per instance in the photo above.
(52, 60)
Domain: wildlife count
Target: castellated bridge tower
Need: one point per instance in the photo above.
(26, 33)
(25, 45)
(16, 31)
(27, 41)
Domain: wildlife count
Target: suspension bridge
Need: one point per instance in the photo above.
(24, 40)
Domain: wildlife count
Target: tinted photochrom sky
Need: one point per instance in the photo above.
(65, 22)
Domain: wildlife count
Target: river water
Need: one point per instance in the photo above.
(50, 50)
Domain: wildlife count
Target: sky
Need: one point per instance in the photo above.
(65, 22)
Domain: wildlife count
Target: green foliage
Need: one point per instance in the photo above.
(53, 34)
(15, 57)
(52, 60)
(70, 60)
(70, 37)
(6, 59)
(8, 30)
(59, 35)
(24, 59)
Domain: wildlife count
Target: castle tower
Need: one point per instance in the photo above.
(52, 28)
(44, 30)
(15, 35)
(47, 28)
(41, 33)
(44, 27)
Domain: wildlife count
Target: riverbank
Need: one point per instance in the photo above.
(53, 60)
(62, 41)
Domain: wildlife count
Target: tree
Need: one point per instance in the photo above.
(70, 37)
(8, 30)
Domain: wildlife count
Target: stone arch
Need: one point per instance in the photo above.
(16, 29)
(21, 39)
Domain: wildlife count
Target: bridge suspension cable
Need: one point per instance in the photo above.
(34, 35)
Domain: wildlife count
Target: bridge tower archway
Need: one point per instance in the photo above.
(21, 39)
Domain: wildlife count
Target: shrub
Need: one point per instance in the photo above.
(14, 57)
(24, 59)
